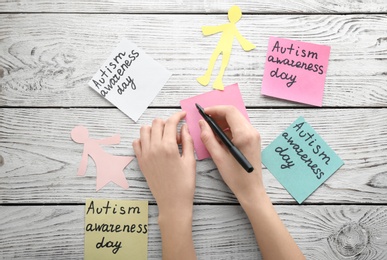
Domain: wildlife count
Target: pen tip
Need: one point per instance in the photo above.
(198, 106)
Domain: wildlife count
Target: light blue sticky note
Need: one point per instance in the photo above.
(300, 159)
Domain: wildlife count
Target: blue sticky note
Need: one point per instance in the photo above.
(300, 160)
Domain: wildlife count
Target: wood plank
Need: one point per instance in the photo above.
(174, 6)
(41, 161)
(220, 232)
(47, 59)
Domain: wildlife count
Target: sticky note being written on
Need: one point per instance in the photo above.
(116, 229)
(229, 96)
(130, 79)
(295, 71)
(300, 159)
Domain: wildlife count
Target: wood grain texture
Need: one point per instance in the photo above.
(220, 232)
(186, 6)
(41, 161)
(49, 50)
(47, 59)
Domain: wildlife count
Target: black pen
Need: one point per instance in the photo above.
(238, 155)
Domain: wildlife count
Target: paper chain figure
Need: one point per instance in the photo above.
(109, 167)
(229, 31)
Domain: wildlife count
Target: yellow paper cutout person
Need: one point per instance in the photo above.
(229, 31)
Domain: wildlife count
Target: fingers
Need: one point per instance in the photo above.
(145, 138)
(186, 142)
(157, 130)
(230, 114)
(137, 147)
(221, 122)
(170, 129)
(208, 138)
(227, 132)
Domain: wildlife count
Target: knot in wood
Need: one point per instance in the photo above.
(378, 181)
(1, 160)
(351, 240)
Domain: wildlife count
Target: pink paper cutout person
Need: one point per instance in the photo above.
(109, 167)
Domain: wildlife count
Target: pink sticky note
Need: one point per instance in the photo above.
(295, 71)
(229, 96)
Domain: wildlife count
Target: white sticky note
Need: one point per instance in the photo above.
(130, 79)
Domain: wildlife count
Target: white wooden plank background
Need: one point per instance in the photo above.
(50, 49)
(322, 232)
(57, 53)
(195, 6)
(41, 158)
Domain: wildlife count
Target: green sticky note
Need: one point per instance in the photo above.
(300, 160)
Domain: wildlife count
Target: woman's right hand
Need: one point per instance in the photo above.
(245, 186)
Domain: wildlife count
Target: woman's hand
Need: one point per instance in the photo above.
(171, 178)
(245, 186)
(273, 238)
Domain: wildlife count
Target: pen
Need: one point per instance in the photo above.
(238, 155)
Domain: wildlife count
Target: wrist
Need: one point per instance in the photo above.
(254, 201)
(175, 215)
(176, 233)
(175, 224)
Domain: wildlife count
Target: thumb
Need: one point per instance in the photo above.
(208, 138)
(186, 143)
